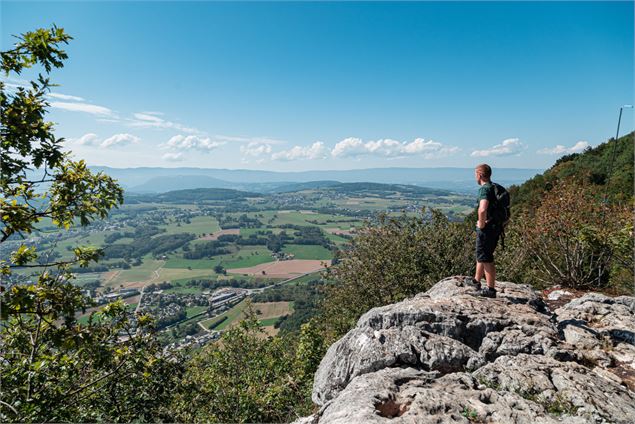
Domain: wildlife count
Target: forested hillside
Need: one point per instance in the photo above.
(592, 166)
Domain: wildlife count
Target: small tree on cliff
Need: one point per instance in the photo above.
(52, 368)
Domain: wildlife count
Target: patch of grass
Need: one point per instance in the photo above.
(338, 240)
(183, 289)
(266, 310)
(308, 251)
(268, 321)
(198, 225)
(556, 405)
(143, 272)
(194, 310)
(488, 383)
(192, 263)
(471, 415)
(247, 257)
(559, 406)
(227, 317)
(305, 279)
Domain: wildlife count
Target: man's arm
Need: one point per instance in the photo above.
(482, 213)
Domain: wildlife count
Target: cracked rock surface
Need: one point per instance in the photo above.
(449, 355)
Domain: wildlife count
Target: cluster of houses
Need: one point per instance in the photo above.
(111, 297)
(282, 256)
(193, 341)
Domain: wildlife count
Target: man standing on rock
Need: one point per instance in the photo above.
(487, 233)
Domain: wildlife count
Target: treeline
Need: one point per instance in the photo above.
(232, 282)
(383, 190)
(105, 268)
(140, 247)
(193, 195)
(243, 221)
(206, 249)
(308, 235)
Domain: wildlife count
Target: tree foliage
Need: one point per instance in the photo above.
(248, 377)
(574, 239)
(397, 258)
(52, 368)
(608, 166)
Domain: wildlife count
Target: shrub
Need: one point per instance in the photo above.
(397, 258)
(573, 239)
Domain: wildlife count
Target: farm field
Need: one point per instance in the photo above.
(282, 269)
(194, 310)
(226, 318)
(146, 272)
(267, 313)
(245, 257)
(305, 251)
(268, 310)
(197, 225)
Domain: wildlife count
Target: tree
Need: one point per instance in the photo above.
(248, 377)
(397, 258)
(53, 368)
(574, 239)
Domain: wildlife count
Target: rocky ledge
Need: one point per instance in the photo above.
(448, 355)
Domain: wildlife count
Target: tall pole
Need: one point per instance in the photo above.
(617, 134)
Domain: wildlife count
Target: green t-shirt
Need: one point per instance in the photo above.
(486, 191)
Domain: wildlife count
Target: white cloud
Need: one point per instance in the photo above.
(151, 120)
(262, 140)
(191, 142)
(65, 97)
(120, 140)
(89, 139)
(148, 117)
(560, 149)
(173, 157)
(255, 149)
(316, 150)
(511, 146)
(83, 107)
(351, 147)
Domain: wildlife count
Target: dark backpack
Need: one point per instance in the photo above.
(502, 209)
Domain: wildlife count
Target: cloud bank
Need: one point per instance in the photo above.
(509, 147)
(560, 149)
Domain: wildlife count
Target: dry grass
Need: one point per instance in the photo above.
(282, 269)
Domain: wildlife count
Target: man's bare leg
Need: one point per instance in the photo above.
(490, 273)
(479, 271)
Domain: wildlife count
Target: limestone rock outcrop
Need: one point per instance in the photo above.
(449, 355)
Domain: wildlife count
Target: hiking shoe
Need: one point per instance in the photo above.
(473, 282)
(488, 292)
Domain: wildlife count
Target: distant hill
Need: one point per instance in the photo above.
(355, 189)
(180, 182)
(591, 166)
(310, 185)
(455, 179)
(190, 195)
(378, 189)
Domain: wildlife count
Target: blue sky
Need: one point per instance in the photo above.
(298, 86)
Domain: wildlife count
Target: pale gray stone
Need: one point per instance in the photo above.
(449, 355)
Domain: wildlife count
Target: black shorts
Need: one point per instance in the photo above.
(486, 240)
